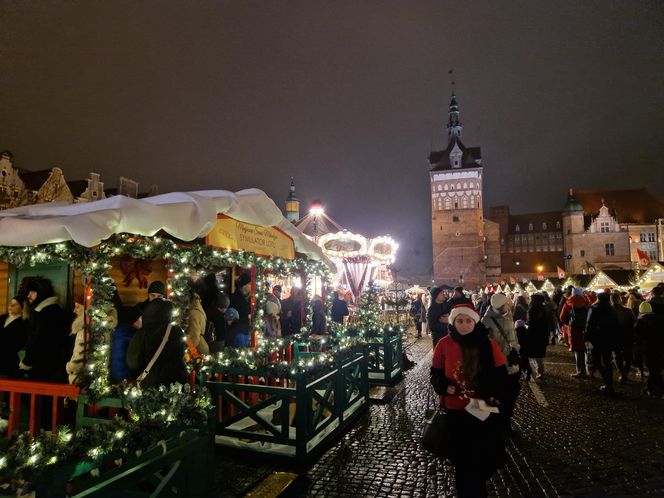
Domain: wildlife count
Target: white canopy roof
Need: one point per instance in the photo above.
(184, 215)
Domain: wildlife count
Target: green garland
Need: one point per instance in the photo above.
(151, 410)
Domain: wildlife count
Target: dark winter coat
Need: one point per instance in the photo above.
(118, 368)
(339, 310)
(318, 318)
(12, 340)
(649, 335)
(170, 366)
(657, 304)
(436, 310)
(537, 337)
(626, 320)
(241, 304)
(577, 327)
(46, 348)
(520, 312)
(603, 327)
(291, 316)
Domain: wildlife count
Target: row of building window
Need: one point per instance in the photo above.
(458, 186)
(463, 203)
(545, 226)
(648, 237)
(551, 247)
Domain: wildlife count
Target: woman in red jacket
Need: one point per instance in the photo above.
(468, 372)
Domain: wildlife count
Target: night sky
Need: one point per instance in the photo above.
(347, 97)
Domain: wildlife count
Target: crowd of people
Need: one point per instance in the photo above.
(484, 345)
(41, 341)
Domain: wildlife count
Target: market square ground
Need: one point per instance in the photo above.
(570, 440)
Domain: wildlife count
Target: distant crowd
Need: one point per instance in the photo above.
(485, 344)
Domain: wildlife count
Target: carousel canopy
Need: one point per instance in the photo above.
(183, 215)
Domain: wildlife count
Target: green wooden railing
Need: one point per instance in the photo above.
(292, 416)
(385, 358)
(181, 464)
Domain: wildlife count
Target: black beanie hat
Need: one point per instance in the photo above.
(158, 311)
(157, 287)
(243, 280)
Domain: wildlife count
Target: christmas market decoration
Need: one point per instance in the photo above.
(340, 355)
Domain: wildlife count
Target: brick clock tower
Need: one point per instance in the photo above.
(458, 228)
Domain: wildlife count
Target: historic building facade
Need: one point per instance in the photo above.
(466, 248)
(20, 187)
(596, 230)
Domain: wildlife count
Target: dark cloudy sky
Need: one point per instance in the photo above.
(346, 96)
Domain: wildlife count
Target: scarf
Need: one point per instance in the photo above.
(477, 362)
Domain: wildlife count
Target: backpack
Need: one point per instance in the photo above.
(578, 317)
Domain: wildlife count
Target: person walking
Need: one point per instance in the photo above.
(498, 320)
(574, 315)
(468, 373)
(438, 315)
(602, 331)
(539, 322)
(415, 312)
(649, 334)
(625, 345)
(339, 308)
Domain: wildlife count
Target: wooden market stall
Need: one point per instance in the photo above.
(91, 249)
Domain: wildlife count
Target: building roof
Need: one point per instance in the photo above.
(77, 187)
(33, 180)
(623, 277)
(627, 206)
(537, 220)
(440, 160)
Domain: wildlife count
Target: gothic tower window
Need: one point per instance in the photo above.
(544, 225)
(517, 228)
(446, 187)
(458, 186)
(530, 226)
(464, 202)
(448, 203)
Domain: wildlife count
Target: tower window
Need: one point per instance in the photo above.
(517, 228)
(455, 219)
(530, 226)
(458, 186)
(456, 205)
(445, 187)
(582, 253)
(544, 227)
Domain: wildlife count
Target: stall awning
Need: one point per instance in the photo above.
(183, 215)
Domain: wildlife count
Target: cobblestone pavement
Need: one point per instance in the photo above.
(570, 440)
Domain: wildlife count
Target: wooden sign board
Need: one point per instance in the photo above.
(264, 241)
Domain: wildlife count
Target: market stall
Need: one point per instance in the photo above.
(122, 243)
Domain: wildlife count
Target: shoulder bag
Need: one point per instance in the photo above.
(145, 372)
(435, 437)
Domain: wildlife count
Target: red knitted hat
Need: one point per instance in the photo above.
(464, 309)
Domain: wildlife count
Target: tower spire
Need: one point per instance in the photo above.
(453, 123)
(292, 204)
